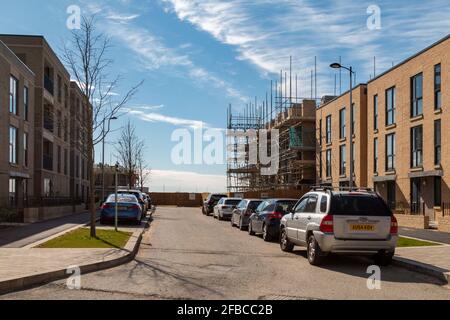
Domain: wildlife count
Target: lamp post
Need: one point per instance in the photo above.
(115, 192)
(350, 69)
(103, 154)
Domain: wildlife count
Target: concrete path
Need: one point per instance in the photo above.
(430, 235)
(19, 237)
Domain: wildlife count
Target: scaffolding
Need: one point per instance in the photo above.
(295, 120)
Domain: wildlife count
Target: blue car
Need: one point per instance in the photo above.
(129, 209)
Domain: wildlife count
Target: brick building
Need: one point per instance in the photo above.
(333, 139)
(408, 152)
(16, 130)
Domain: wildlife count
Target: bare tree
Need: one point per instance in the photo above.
(86, 55)
(129, 149)
(143, 169)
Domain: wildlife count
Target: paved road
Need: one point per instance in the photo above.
(18, 237)
(187, 255)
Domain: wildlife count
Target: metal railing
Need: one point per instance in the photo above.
(445, 209)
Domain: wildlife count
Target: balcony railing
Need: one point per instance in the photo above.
(48, 84)
(47, 162)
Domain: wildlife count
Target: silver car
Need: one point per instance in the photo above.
(241, 215)
(224, 208)
(327, 221)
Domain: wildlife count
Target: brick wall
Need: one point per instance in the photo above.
(412, 221)
(176, 199)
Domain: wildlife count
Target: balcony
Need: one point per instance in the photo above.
(48, 84)
(47, 162)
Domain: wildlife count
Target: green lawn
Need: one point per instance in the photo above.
(407, 242)
(80, 238)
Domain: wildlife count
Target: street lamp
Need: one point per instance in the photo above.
(116, 168)
(337, 65)
(103, 154)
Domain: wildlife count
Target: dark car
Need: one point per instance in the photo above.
(241, 215)
(266, 219)
(211, 202)
(128, 209)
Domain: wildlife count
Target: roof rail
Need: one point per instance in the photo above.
(331, 188)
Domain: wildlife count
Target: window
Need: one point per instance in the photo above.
(66, 157)
(437, 142)
(353, 111)
(342, 123)
(59, 85)
(25, 149)
(375, 155)
(77, 166)
(59, 158)
(328, 128)
(390, 152)
(390, 106)
(323, 204)
(12, 145)
(47, 187)
(416, 147)
(328, 163)
(13, 88)
(375, 112)
(417, 95)
(320, 164)
(437, 191)
(301, 206)
(26, 103)
(312, 204)
(320, 132)
(437, 87)
(13, 192)
(59, 123)
(342, 160)
(353, 157)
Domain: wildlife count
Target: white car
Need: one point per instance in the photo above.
(224, 208)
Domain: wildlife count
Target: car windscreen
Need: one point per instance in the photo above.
(217, 197)
(285, 206)
(358, 205)
(254, 204)
(232, 202)
(122, 198)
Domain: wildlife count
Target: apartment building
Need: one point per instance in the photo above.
(52, 113)
(334, 138)
(408, 151)
(79, 175)
(16, 130)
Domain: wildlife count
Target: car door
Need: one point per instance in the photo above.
(216, 208)
(260, 216)
(307, 216)
(295, 230)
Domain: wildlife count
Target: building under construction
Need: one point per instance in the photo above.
(294, 118)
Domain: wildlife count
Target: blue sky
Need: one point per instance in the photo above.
(197, 56)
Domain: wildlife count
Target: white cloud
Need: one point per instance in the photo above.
(185, 181)
(157, 117)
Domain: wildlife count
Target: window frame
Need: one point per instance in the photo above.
(375, 112)
(328, 169)
(342, 123)
(416, 96)
(13, 96)
(375, 154)
(13, 142)
(390, 105)
(416, 146)
(328, 129)
(342, 160)
(437, 142)
(390, 154)
(437, 87)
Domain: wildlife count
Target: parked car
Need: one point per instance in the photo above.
(266, 219)
(211, 202)
(128, 209)
(139, 195)
(224, 208)
(241, 215)
(327, 221)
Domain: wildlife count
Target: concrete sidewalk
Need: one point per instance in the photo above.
(21, 268)
(434, 261)
(22, 236)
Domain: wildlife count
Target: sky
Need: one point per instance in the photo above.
(198, 56)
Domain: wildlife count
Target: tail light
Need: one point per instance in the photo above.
(394, 225)
(275, 215)
(106, 206)
(327, 225)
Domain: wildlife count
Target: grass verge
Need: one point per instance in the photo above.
(408, 242)
(80, 239)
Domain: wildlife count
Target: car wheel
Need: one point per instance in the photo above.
(314, 253)
(266, 235)
(250, 229)
(203, 210)
(241, 226)
(285, 244)
(383, 258)
(219, 216)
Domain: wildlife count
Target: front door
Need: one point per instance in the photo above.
(416, 197)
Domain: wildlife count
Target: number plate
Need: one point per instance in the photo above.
(362, 227)
(122, 208)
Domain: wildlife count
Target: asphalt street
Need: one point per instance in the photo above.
(186, 255)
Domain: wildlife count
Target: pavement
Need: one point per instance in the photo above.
(22, 236)
(186, 255)
(38, 265)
